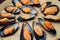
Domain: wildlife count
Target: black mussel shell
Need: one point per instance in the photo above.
(47, 4)
(52, 6)
(14, 2)
(41, 21)
(29, 28)
(10, 21)
(33, 11)
(43, 37)
(15, 29)
(22, 19)
(17, 11)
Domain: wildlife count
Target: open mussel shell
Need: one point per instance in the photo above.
(14, 10)
(43, 37)
(32, 10)
(15, 25)
(25, 24)
(43, 6)
(11, 16)
(41, 21)
(14, 2)
(55, 13)
(29, 18)
(52, 18)
(8, 22)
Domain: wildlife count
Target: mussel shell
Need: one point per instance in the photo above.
(10, 21)
(39, 37)
(11, 17)
(17, 11)
(41, 21)
(15, 29)
(7, 7)
(47, 4)
(52, 6)
(33, 11)
(29, 28)
(22, 19)
(50, 19)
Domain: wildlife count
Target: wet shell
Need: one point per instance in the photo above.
(25, 17)
(52, 18)
(54, 11)
(26, 29)
(28, 9)
(47, 25)
(39, 33)
(11, 29)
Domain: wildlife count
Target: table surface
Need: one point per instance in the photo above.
(16, 36)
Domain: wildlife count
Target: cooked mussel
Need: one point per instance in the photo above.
(8, 30)
(47, 25)
(39, 33)
(36, 2)
(44, 5)
(6, 21)
(30, 2)
(28, 9)
(18, 5)
(7, 15)
(25, 17)
(52, 18)
(12, 9)
(51, 10)
(26, 2)
(26, 32)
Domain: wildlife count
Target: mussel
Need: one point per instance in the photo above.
(26, 2)
(39, 33)
(47, 25)
(26, 32)
(7, 15)
(51, 10)
(44, 5)
(28, 9)
(8, 30)
(18, 5)
(6, 21)
(12, 9)
(52, 18)
(25, 17)
(30, 2)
